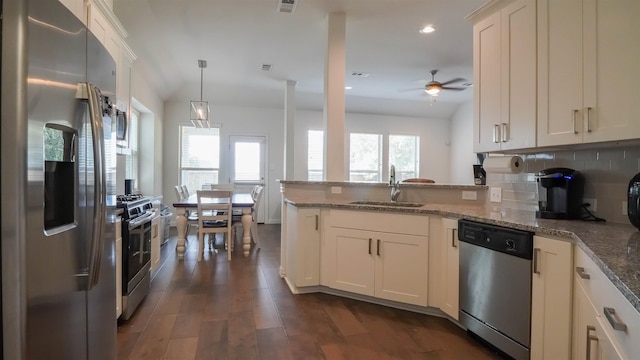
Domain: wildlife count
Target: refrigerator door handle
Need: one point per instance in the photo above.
(99, 212)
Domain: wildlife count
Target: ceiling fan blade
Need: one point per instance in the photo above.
(411, 89)
(453, 88)
(453, 81)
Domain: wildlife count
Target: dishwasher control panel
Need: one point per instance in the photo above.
(506, 240)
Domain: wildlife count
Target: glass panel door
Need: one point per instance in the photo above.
(248, 158)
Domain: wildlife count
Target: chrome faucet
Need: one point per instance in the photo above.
(395, 189)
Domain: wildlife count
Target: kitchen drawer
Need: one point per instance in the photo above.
(409, 224)
(605, 295)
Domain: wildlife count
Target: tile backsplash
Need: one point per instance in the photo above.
(607, 173)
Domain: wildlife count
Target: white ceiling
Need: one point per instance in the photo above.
(237, 37)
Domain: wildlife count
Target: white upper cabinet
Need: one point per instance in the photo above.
(588, 72)
(78, 8)
(504, 46)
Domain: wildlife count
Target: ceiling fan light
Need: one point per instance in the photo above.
(433, 90)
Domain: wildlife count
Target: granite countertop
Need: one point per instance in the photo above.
(384, 184)
(615, 248)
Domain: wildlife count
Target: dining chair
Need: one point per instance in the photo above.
(179, 193)
(257, 198)
(214, 216)
(185, 191)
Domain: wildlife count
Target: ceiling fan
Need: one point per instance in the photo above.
(434, 87)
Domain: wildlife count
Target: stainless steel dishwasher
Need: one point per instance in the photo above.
(495, 285)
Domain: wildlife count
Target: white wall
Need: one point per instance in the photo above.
(235, 121)
(151, 106)
(434, 136)
(462, 155)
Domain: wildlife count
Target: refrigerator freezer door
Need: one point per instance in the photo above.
(55, 258)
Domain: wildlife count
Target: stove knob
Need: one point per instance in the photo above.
(511, 245)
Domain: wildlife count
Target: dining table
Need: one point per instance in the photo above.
(238, 201)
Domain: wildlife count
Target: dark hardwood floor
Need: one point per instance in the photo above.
(243, 310)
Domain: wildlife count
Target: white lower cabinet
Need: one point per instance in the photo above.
(606, 325)
(451, 267)
(551, 299)
(377, 254)
(118, 267)
(302, 246)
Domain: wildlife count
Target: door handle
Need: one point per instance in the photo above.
(496, 133)
(590, 338)
(370, 246)
(99, 207)
(536, 255)
(589, 119)
(503, 134)
(453, 238)
(378, 248)
(575, 115)
(616, 324)
(581, 273)
(316, 222)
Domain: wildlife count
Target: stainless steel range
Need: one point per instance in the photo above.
(136, 250)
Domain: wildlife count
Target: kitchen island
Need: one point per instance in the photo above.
(615, 248)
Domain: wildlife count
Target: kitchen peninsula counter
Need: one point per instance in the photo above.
(615, 248)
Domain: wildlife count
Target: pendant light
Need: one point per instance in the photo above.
(200, 109)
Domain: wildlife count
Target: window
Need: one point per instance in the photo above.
(131, 163)
(315, 151)
(404, 153)
(365, 155)
(199, 156)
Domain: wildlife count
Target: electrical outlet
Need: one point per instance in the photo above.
(495, 194)
(593, 203)
(336, 190)
(625, 208)
(469, 195)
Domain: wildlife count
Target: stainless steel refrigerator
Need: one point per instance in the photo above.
(57, 172)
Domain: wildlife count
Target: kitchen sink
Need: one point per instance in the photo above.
(387, 203)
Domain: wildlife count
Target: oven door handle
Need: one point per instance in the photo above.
(139, 221)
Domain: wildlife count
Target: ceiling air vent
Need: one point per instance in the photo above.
(287, 6)
(266, 67)
(360, 74)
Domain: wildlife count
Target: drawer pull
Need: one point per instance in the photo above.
(590, 338)
(496, 133)
(582, 274)
(316, 222)
(616, 324)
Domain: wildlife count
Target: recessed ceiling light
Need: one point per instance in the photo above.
(427, 29)
(348, 87)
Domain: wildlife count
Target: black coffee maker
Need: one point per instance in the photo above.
(560, 193)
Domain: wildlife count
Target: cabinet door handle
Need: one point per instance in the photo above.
(369, 246)
(582, 274)
(496, 133)
(453, 238)
(536, 255)
(616, 324)
(590, 338)
(378, 248)
(316, 222)
(589, 119)
(575, 120)
(504, 132)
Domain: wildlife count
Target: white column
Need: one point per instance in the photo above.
(334, 137)
(289, 136)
